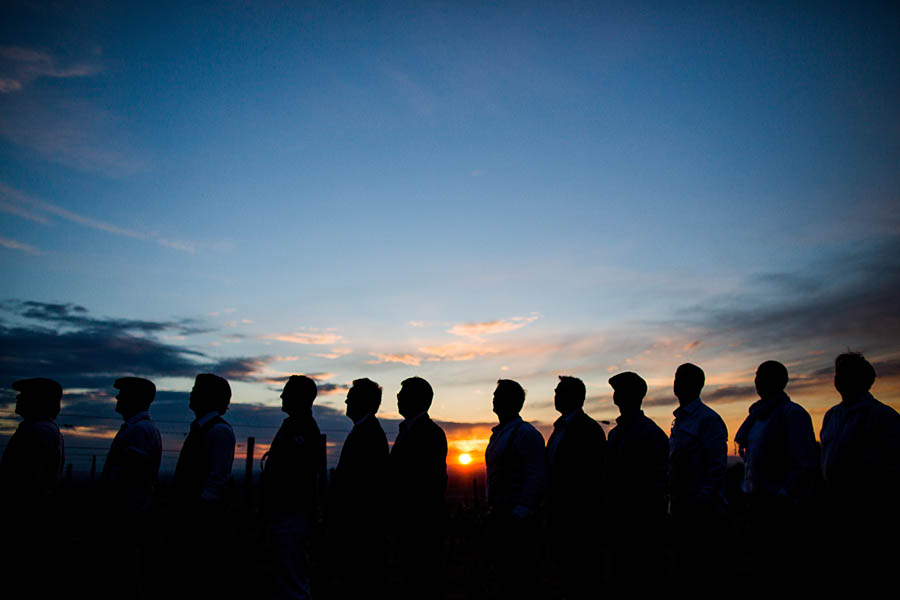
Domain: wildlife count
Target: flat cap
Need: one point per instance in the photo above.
(137, 385)
(40, 386)
(629, 382)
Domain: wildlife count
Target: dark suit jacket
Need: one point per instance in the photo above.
(358, 501)
(577, 469)
(638, 468)
(419, 472)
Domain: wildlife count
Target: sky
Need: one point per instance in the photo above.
(461, 191)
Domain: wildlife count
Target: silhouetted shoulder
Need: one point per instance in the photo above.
(796, 414)
(529, 435)
(711, 418)
(588, 423)
(883, 411)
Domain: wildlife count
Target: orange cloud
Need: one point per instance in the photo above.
(307, 338)
(474, 330)
(406, 359)
(454, 352)
(335, 353)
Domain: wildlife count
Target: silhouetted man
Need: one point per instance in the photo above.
(638, 476)
(419, 480)
(33, 460)
(861, 465)
(132, 464)
(202, 484)
(698, 447)
(129, 475)
(289, 488)
(29, 476)
(516, 477)
(358, 493)
(576, 462)
(778, 446)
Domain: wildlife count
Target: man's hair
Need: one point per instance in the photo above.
(216, 390)
(573, 388)
(368, 393)
(421, 391)
(512, 390)
(854, 368)
(773, 372)
(302, 388)
(692, 376)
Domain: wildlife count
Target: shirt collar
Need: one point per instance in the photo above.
(144, 414)
(500, 428)
(567, 419)
(201, 421)
(355, 423)
(864, 400)
(688, 409)
(407, 423)
(626, 419)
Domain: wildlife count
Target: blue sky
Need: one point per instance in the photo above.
(454, 190)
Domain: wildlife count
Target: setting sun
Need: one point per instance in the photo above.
(465, 459)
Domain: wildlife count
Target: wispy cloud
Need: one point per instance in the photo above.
(20, 204)
(406, 359)
(20, 66)
(457, 351)
(476, 330)
(71, 131)
(315, 339)
(334, 353)
(14, 245)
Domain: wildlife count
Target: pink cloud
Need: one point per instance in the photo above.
(474, 330)
(406, 359)
(307, 338)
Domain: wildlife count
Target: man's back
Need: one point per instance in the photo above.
(291, 469)
(203, 471)
(132, 465)
(638, 466)
(32, 462)
(361, 471)
(516, 468)
(779, 449)
(419, 467)
(576, 462)
(698, 458)
(861, 452)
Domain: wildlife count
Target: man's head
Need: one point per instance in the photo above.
(135, 395)
(689, 380)
(38, 397)
(853, 375)
(629, 390)
(509, 398)
(210, 393)
(771, 378)
(569, 395)
(363, 398)
(298, 395)
(414, 397)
